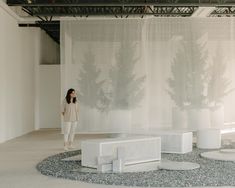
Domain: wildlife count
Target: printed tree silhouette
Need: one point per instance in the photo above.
(127, 89)
(178, 82)
(88, 84)
(105, 98)
(218, 84)
(196, 75)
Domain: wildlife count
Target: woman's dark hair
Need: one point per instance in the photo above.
(68, 98)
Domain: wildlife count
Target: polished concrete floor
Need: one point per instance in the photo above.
(18, 158)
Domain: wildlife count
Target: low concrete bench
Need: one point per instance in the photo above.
(137, 149)
(175, 141)
(172, 141)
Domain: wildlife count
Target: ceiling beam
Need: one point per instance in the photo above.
(173, 3)
(107, 11)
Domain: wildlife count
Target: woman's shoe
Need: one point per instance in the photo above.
(66, 148)
(71, 147)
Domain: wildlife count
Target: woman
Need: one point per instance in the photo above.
(70, 112)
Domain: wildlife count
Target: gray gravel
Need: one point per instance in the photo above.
(210, 173)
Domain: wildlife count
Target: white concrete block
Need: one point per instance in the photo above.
(209, 139)
(105, 167)
(108, 159)
(118, 165)
(137, 149)
(175, 141)
(121, 153)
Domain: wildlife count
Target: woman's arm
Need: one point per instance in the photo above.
(77, 107)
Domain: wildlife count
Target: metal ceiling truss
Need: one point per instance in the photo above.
(118, 8)
(112, 11)
(45, 10)
(102, 3)
(223, 12)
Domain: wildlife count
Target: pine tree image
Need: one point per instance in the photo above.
(218, 85)
(127, 88)
(197, 74)
(88, 84)
(105, 98)
(178, 81)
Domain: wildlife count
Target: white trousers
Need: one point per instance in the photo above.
(69, 131)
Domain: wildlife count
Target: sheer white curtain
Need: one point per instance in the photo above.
(141, 74)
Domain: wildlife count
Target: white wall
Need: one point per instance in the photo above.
(20, 56)
(49, 96)
(18, 50)
(47, 84)
(2, 86)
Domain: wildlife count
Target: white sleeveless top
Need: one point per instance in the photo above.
(71, 111)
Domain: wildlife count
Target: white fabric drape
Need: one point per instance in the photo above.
(131, 73)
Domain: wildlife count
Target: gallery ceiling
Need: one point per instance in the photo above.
(49, 12)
